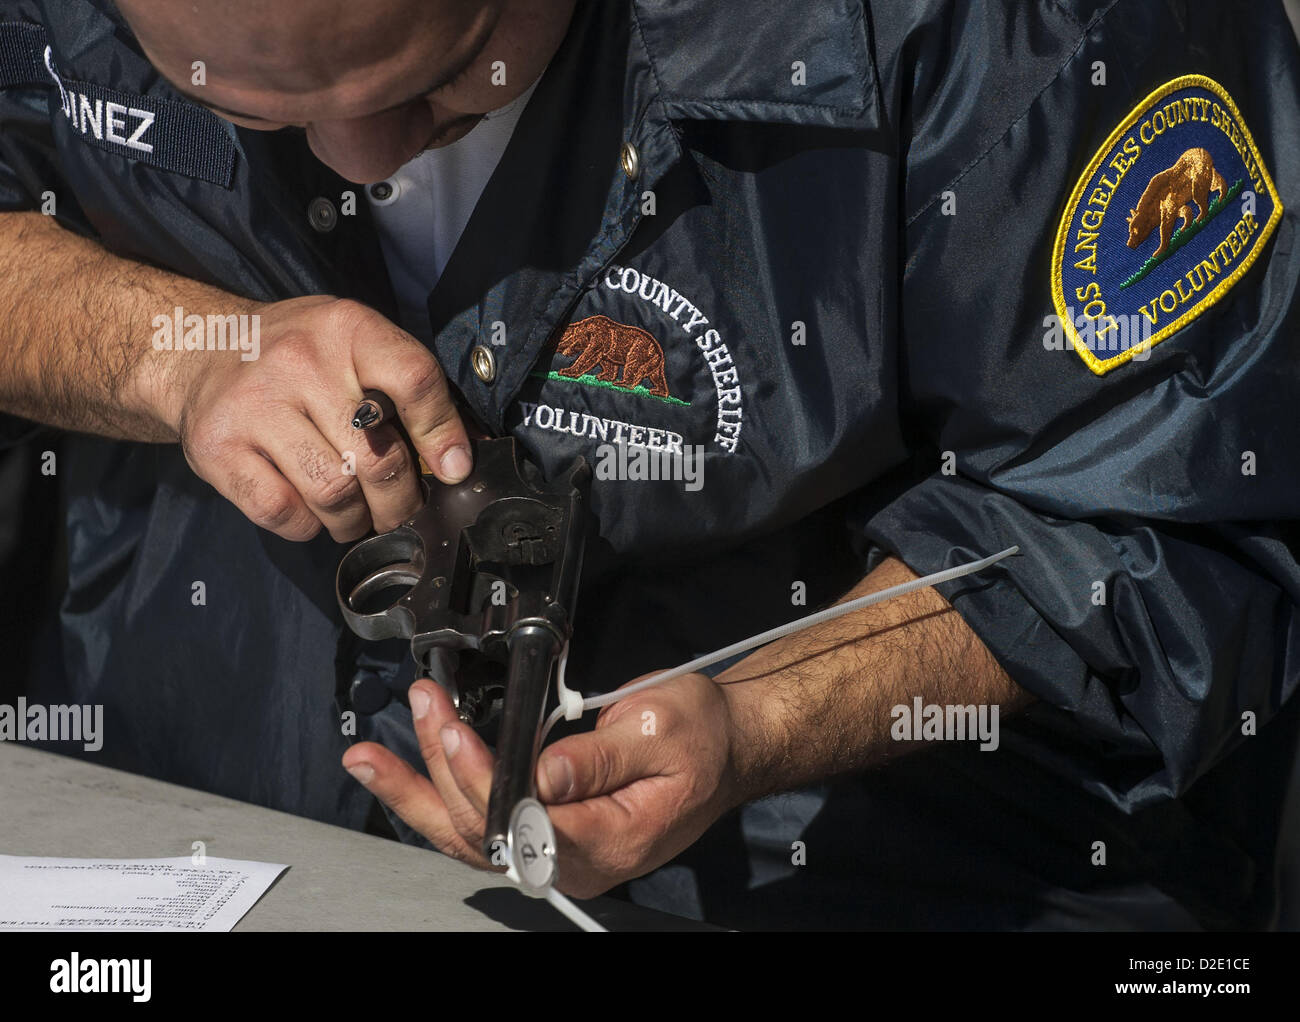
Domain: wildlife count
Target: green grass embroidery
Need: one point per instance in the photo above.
(592, 381)
(1183, 235)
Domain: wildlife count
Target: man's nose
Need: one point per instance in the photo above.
(371, 148)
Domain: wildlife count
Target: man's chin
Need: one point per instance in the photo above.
(453, 131)
(357, 172)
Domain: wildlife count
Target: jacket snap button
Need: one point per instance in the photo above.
(322, 215)
(383, 192)
(631, 160)
(484, 363)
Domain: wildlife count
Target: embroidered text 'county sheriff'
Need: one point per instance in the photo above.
(1169, 214)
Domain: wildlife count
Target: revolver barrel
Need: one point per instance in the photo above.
(533, 650)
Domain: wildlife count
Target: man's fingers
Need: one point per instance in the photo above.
(598, 762)
(320, 474)
(591, 856)
(470, 763)
(432, 712)
(387, 474)
(408, 373)
(266, 498)
(378, 460)
(411, 796)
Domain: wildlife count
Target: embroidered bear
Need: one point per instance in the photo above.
(599, 341)
(1190, 179)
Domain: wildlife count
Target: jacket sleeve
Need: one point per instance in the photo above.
(1153, 605)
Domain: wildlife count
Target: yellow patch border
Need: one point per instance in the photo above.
(1103, 366)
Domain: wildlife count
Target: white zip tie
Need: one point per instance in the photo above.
(570, 709)
(571, 912)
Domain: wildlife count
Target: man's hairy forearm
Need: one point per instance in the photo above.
(75, 330)
(818, 703)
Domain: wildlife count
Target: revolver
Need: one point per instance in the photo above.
(482, 581)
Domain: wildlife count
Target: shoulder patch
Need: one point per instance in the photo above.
(1169, 214)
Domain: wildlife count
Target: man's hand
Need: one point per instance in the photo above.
(275, 437)
(625, 798)
(271, 433)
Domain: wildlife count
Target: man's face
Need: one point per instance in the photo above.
(373, 82)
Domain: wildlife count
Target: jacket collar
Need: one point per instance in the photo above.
(774, 61)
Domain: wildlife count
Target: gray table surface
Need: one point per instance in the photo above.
(338, 879)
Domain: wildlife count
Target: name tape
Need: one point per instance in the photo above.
(178, 137)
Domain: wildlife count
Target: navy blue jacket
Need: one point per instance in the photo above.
(924, 277)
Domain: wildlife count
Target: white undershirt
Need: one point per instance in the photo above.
(433, 197)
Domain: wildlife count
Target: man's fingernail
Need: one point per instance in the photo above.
(419, 701)
(363, 772)
(456, 464)
(559, 775)
(450, 741)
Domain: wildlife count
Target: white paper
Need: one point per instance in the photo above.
(129, 894)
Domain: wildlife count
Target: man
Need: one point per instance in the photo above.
(881, 253)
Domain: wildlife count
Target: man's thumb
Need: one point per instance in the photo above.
(596, 763)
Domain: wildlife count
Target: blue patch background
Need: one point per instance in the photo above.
(1116, 262)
